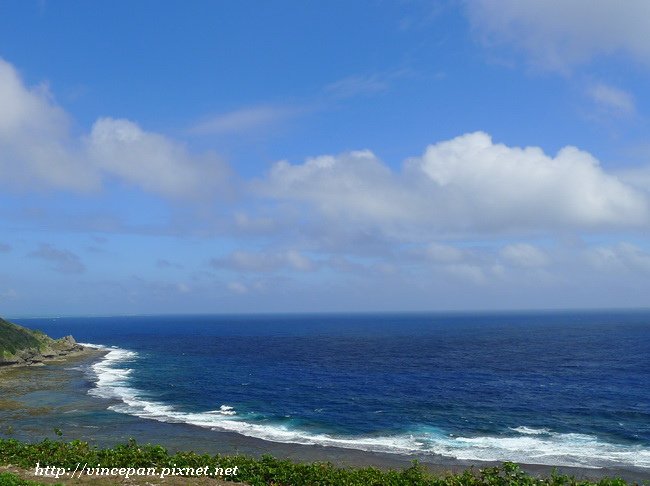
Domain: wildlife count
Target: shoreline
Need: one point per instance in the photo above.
(358, 458)
(75, 353)
(182, 437)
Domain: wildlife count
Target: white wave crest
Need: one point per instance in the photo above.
(529, 430)
(112, 381)
(543, 446)
(224, 410)
(527, 445)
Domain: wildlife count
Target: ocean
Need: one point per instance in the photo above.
(555, 388)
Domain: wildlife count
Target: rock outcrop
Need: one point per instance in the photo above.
(20, 346)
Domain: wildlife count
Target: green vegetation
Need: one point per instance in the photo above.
(14, 338)
(19, 345)
(266, 470)
(9, 479)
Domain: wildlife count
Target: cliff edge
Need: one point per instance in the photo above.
(22, 346)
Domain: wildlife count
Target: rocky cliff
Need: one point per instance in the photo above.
(22, 346)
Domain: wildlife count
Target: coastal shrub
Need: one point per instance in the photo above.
(267, 470)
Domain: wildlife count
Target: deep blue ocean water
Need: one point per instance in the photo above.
(569, 388)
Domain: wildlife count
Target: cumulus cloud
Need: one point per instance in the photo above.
(513, 186)
(559, 34)
(153, 162)
(468, 184)
(36, 149)
(354, 187)
(63, 261)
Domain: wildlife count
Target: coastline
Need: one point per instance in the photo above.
(35, 401)
(357, 458)
(75, 352)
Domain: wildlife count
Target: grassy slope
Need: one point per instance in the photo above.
(15, 338)
(17, 341)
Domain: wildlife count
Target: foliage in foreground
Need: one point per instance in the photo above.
(266, 470)
(9, 479)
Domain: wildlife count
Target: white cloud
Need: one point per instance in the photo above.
(35, 147)
(37, 150)
(253, 225)
(468, 184)
(247, 261)
(357, 85)
(297, 261)
(244, 120)
(612, 100)
(559, 34)
(153, 162)
(238, 288)
(353, 187)
(365, 84)
(524, 255)
(623, 256)
(264, 261)
(479, 264)
(638, 177)
(443, 253)
(471, 273)
(493, 185)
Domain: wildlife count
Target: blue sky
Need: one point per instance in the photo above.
(295, 156)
